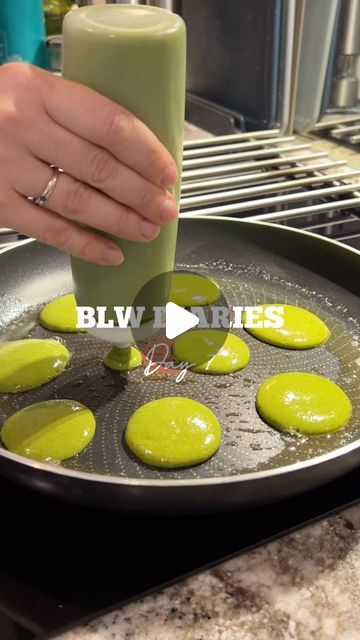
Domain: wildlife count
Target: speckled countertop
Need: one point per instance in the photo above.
(304, 586)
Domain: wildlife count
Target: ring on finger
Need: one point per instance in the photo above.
(44, 196)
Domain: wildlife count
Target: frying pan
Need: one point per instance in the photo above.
(253, 263)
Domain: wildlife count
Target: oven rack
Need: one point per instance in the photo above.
(344, 128)
(267, 176)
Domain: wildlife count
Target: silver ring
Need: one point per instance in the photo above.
(44, 196)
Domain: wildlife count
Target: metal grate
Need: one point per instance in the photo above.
(345, 128)
(269, 177)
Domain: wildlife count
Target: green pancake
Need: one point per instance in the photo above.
(122, 359)
(191, 290)
(301, 329)
(49, 431)
(173, 432)
(303, 402)
(211, 351)
(60, 315)
(27, 364)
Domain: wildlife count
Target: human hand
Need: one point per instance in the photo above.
(116, 172)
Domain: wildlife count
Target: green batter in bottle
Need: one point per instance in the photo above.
(134, 55)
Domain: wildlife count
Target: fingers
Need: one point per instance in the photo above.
(52, 229)
(101, 121)
(120, 170)
(96, 166)
(82, 204)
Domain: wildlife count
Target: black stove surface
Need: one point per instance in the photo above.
(61, 562)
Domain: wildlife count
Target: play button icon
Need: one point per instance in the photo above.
(172, 306)
(178, 320)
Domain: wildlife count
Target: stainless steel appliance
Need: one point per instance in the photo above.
(345, 83)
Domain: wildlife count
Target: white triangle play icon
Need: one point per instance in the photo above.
(178, 320)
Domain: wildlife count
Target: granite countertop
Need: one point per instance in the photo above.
(304, 586)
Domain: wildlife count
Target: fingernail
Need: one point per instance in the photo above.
(168, 210)
(149, 229)
(112, 255)
(170, 177)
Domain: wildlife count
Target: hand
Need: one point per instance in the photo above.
(116, 172)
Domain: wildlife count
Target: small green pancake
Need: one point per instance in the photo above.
(60, 315)
(191, 290)
(27, 364)
(303, 402)
(173, 432)
(122, 359)
(49, 431)
(211, 351)
(301, 329)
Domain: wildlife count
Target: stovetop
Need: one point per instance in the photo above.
(61, 562)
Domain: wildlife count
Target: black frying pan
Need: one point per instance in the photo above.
(253, 263)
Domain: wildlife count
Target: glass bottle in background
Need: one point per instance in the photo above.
(22, 31)
(55, 11)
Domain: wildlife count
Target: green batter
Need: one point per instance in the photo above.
(303, 402)
(301, 329)
(27, 364)
(191, 290)
(60, 315)
(49, 431)
(173, 432)
(211, 352)
(122, 359)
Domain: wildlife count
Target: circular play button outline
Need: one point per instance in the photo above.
(171, 320)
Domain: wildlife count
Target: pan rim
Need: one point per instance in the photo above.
(260, 223)
(164, 483)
